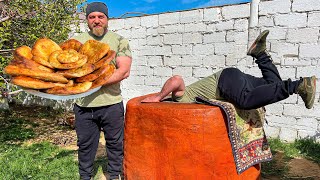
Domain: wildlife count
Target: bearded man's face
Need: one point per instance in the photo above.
(98, 23)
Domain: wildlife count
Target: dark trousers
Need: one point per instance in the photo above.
(248, 92)
(89, 122)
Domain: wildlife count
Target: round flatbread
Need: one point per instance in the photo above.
(94, 50)
(32, 83)
(67, 59)
(103, 79)
(68, 90)
(78, 72)
(71, 44)
(38, 74)
(95, 74)
(42, 49)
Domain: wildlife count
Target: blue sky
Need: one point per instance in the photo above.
(120, 7)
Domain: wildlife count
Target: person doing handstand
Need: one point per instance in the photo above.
(243, 90)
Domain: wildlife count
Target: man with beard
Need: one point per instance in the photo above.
(104, 108)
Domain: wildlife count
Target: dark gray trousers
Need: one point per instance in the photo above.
(89, 122)
(248, 92)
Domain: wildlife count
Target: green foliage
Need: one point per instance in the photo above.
(33, 19)
(309, 148)
(289, 148)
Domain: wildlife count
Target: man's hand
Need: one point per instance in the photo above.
(153, 98)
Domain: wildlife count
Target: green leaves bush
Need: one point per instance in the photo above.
(33, 19)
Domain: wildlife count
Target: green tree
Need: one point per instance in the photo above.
(22, 22)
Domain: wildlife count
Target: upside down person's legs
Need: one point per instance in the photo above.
(269, 71)
(248, 92)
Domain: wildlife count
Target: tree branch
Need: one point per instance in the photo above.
(4, 19)
(6, 50)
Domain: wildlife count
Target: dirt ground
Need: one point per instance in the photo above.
(298, 168)
(304, 168)
(58, 129)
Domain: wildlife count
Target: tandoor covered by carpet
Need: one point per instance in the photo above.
(170, 140)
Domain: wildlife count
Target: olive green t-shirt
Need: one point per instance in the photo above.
(110, 94)
(206, 88)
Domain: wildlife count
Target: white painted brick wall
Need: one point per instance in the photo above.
(175, 28)
(305, 5)
(241, 24)
(309, 50)
(274, 7)
(198, 42)
(212, 14)
(283, 48)
(195, 27)
(235, 12)
(291, 20)
(169, 18)
(172, 39)
(182, 49)
(191, 16)
(303, 35)
(192, 38)
(314, 19)
(132, 22)
(215, 37)
(288, 134)
(266, 21)
(150, 21)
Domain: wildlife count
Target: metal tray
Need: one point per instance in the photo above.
(60, 97)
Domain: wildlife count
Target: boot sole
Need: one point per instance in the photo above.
(313, 80)
(254, 44)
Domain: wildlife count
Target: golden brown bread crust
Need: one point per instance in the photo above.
(103, 79)
(38, 74)
(105, 60)
(24, 52)
(95, 50)
(95, 74)
(88, 63)
(29, 64)
(67, 59)
(71, 44)
(78, 72)
(70, 83)
(69, 56)
(32, 83)
(23, 62)
(42, 49)
(68, 90)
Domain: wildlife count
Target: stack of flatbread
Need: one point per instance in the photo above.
(65, 69)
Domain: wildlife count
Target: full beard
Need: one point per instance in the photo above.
(99, 31)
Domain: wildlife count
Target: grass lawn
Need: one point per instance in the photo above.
(34, 144)
(37, 161)
(22, 158)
